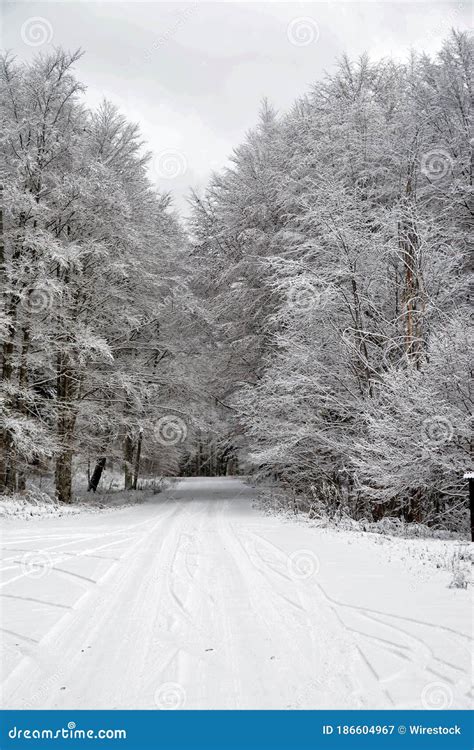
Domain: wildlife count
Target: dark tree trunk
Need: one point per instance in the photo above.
(20, 401)
(65, 430)
(198, 459)
(137, 460)
(3, 436)
(128, 461)
(7, 448)
(8, 474)
(97, 474)
(471, 506)
(63, 476)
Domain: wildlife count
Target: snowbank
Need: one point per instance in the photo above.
(417, 547)
(37, 504)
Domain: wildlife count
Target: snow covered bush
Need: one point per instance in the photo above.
(461, 566)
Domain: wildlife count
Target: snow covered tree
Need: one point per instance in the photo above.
(91, 255)
(364, 272)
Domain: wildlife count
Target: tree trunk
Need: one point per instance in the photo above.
(128, 450)
(7, 478)
(20, 401)
(65, 430)
(3, 436)
(7, 450)
(96, 474)
(471, 505)
(137, 460)
(198, 458)
(63, 476)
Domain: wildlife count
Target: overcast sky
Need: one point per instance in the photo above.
(193, 74)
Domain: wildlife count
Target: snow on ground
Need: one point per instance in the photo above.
(35, 503)
(195, 599)
(420, 552)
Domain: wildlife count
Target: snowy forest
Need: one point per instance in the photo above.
(306, 325)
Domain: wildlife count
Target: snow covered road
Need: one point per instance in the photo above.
(194, 599)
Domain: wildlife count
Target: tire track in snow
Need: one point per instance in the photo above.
(69, 637)
(421, 654)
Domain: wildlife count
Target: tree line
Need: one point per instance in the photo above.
(98, 332)
(335, 252)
